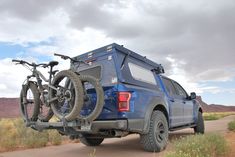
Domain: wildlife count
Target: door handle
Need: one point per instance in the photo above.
(172, 100)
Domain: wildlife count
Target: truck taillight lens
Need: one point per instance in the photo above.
(124, 101)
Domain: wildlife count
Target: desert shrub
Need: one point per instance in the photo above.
(14, 133)
(54, 137)
(231, 125)
(34, 139)
(8, 135)
(210, 145)
(216, 115)
(211, 117)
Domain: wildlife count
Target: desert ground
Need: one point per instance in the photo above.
(125, 147)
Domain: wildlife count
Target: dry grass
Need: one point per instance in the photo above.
(210, 145)
(216, 115)
(231, 126)
(15, 135)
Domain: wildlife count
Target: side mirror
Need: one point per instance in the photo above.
(193, 95)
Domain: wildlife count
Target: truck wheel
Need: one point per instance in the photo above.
(199, 128)
(91, 141)
(156, 139)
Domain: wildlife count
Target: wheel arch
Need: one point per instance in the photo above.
(200, 110)
(158, 106)
(162, 108)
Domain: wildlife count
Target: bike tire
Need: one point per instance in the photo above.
(35, 93)
(47, 115)
(77, 97)
(99, 94)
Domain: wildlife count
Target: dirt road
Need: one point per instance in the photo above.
(125, 147)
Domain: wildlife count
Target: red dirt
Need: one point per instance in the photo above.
(9, 108)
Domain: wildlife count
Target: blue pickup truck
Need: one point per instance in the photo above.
(138, 98)
(118, 92)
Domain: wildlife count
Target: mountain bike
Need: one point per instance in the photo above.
(36, 102)
(92, 89)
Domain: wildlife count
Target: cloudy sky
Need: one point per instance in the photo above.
(193, 40)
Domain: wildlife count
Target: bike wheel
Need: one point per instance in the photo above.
(45, 111)
(94, 98)
(29, 102)
(68, 100)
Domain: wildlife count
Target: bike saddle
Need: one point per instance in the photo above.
(53, 63)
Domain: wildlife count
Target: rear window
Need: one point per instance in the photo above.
(102, 68)
(94, 71)
(141, 74)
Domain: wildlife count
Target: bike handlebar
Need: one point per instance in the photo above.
(64, 56)
(67, 57)
(30, 64)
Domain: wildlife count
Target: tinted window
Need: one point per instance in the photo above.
(180, 90)
(141, 74)
(169, 86)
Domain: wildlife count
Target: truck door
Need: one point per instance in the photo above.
(176, 109)
(187, 104)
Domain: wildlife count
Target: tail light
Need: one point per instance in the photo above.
(124, 101)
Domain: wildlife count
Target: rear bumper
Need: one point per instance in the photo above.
(80, 127)
(133, 125)
(109, 125)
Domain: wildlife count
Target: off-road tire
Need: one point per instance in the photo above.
(99, 94)
(33, 87)
(91, 141)
(199, 128)
(156, 139)
(78, 99)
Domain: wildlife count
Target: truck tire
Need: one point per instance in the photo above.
(99, 97)
(199, 128)
(156, 139)
(74, 96)
(32, 102)
(91, 141)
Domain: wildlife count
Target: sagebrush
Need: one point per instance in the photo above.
(216, 115)
(14, 134)
(231, 126)
(210, 145)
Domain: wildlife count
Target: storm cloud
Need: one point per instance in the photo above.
(198, 35)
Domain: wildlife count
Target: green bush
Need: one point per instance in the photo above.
(231, 126)
(210, 145)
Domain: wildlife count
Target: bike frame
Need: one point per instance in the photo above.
(39, 78)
